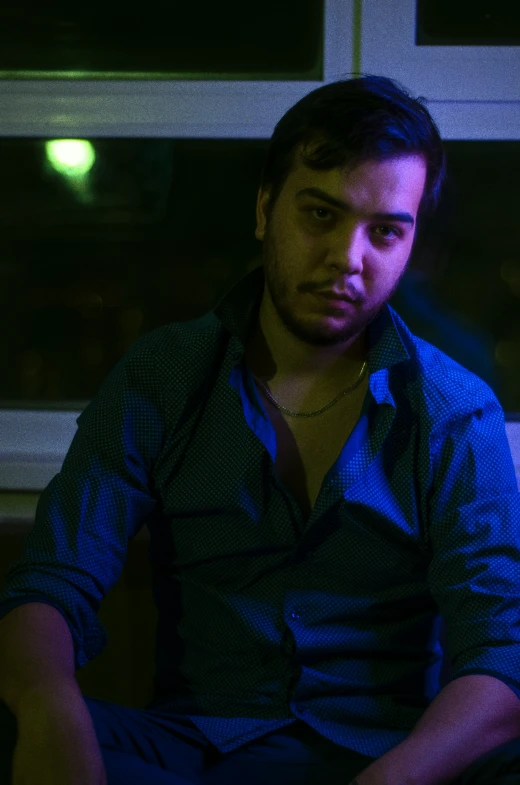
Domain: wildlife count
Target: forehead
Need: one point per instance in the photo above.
(397, 183)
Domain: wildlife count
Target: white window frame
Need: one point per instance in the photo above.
(471, 83)
(361, 36)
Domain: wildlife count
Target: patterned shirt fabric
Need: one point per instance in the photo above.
(265, 617)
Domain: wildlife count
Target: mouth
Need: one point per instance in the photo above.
(334, 300)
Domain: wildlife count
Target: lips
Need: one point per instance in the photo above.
(331, 295)
(335, 303)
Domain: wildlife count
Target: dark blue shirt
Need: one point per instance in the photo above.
(265, 617)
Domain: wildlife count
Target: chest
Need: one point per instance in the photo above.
(307, 448)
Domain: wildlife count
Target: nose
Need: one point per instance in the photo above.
(347, 253)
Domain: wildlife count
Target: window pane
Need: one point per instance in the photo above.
(199, 40)
(104, 240)
(468, 23)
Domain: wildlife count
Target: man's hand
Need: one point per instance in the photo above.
(368, 779)
(368, 776)
(376, 775)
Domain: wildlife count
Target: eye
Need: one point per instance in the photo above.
(397, 232)
(393, 229)
(320, 210)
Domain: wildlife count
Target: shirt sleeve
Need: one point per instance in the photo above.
(100, 498)
(474, 528)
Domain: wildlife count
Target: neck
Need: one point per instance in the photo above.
(345, 369)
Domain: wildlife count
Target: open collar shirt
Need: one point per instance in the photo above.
(264, 617)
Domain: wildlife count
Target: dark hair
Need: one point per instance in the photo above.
(352, 121)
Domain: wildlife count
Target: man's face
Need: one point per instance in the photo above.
(310, 245)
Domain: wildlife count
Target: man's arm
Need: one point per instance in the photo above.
(469, 717)
(36, 648)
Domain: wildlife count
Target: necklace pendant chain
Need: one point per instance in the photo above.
(324, 408)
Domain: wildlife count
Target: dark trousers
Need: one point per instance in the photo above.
(141, 747)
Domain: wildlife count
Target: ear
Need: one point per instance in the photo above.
(262, 202)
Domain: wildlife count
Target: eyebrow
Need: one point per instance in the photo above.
(325, 197)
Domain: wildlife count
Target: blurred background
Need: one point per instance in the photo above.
(131, 147)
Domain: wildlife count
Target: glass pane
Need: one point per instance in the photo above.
(468, 23)
(199, 40)
(105, 240)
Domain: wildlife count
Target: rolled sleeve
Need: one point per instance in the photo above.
(474, 529)
(99, 499)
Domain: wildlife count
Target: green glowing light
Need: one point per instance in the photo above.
(70, 157)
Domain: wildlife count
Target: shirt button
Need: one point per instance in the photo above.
(295, 615)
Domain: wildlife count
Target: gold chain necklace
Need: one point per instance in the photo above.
(324, 408)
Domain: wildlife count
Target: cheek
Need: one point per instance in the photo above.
(378, 280)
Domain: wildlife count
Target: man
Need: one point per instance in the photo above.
(325, 236)
(319, 485)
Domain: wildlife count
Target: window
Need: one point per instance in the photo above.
(112, 39)
(154, 194)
